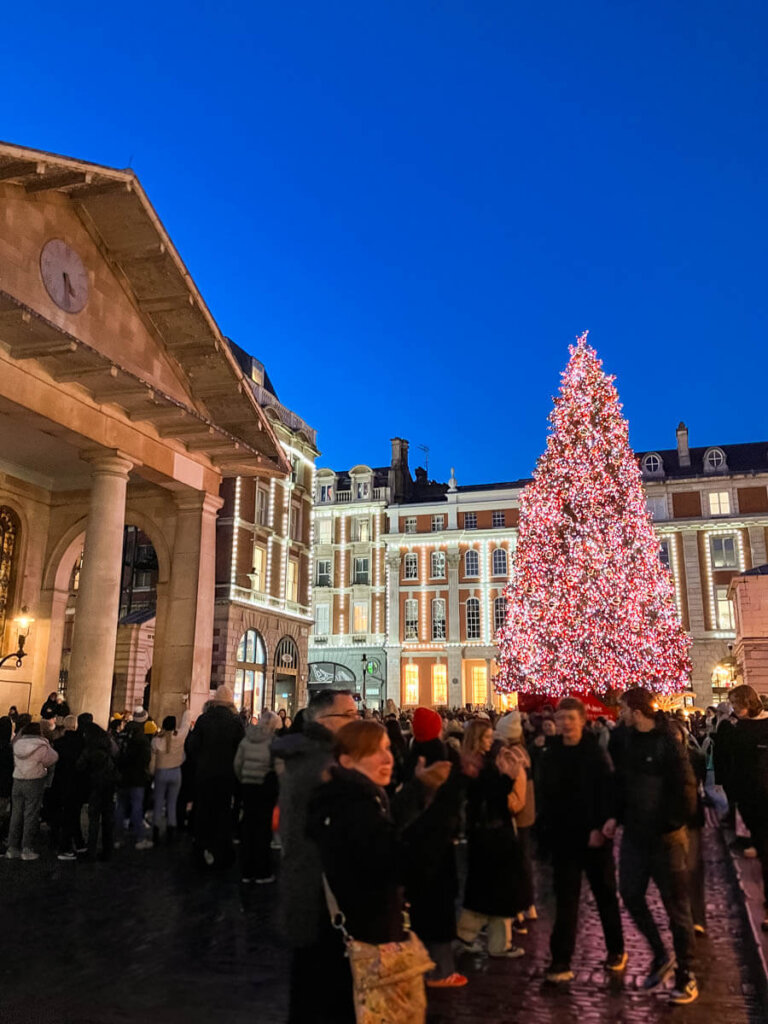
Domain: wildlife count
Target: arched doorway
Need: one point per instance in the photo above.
(286, 675)
(250, 672)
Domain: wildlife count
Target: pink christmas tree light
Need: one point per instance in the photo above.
(590, 606)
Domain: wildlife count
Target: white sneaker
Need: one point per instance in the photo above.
(264, 881)
(67, 856)
(29, 855)
(208, 857)
(12, 854)
(144, 844)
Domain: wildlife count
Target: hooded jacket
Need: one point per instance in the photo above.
(253, 758)
(32, 757)
(212, 743)
(168, 747)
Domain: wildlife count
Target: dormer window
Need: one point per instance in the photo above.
(652, 464)
(715, 461)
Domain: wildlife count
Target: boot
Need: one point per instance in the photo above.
(171, 834)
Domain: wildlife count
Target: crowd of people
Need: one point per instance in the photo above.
(373, 808)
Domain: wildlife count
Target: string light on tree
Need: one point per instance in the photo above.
(590, 606)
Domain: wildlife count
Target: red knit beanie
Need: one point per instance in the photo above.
(427, 725)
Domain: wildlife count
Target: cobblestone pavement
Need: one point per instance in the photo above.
(146, 938)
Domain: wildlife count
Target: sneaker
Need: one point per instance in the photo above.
(661, 968)
(67, 856)
(29, 855)
(531, 913)
(208, 858)
(473, 947)
(685, 991)
(700, 929)
(452, 981)
(12, 854)
(558, 974)
(144, 844)
(512, 953)
(264, 881)
(246, 881)
(616, 962)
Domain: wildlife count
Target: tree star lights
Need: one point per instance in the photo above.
(590, 606)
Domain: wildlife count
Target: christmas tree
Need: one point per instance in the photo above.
(590, 606)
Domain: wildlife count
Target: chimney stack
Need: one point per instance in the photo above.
(683, 452)
(399, 473)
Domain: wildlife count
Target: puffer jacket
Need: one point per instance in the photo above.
(253, 758)
(32, 757)
(168, 747)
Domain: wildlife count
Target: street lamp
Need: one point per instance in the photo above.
(23, 622)
(365, 673)
(724, 673)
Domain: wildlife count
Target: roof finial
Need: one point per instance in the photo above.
(452, 482)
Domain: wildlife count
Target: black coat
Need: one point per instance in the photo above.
(495, 883)
(576, 792)
(361, 854)
(750, 776)
(656, 788)
(722, 753)
(66, 778)
(97, 764)
(134, 756)
(213, 742)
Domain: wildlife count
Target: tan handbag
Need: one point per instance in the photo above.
(388, 978)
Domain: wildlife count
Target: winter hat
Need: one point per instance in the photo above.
(510, 727)
(224, 695)
(427, 725)
(140, 715)
(150, 728)
(70, 723)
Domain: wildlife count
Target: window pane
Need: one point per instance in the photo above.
(479, 685)
(499, 519)
(473, 619)
(724, 608)
(360, 618)
(241, 648)
(322, 620)
(439, 684)
(438, 619)
(411, 567)
(470, 520)
(238, 686)
(499, 613)
(248, 681)
(499, 562)
(471, 564)
(411, 619)
(250, 646)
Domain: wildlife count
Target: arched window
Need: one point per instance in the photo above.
(438, 619)
(411, 566)
(437, 561)
(250, 672)
(9, 546)
(652, 464)
(714, 460)
(499, 562)
(473, 618)
(471, 563)
(499, 613)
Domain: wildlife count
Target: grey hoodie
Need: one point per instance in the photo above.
(32, 756)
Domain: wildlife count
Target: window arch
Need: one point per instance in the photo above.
(250, 671)
(437, 565)
(714, 460)
(652, 464)
(473, 618)
(411, 566)
(9, 553)
(499, 562)
(471, 563)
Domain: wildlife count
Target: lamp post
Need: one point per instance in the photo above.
(365, 673)
(23, 622)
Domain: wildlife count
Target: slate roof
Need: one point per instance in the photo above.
(751, 457)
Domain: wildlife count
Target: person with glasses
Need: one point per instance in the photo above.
(319, 988)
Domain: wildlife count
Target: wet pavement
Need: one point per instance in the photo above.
(148, 938)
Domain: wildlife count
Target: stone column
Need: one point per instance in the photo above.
(392, 639)
(98, 597)
(489, 685)
(183, 666)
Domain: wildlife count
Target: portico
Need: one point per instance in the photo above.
(120, 404)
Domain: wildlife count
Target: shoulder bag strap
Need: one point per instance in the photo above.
(338, 920)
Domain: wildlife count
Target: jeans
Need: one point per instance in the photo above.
(258, 804)
(471, 923)
(665, 863)
(26, 801)
(696, 877)
(130, 804)
(167, 786)
(568, 866)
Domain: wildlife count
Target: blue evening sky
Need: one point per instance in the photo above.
(409, 208)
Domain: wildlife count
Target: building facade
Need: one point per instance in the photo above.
(449, 549)
(264, 566)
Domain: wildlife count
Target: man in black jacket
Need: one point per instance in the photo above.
(576, 799)
(657, 797)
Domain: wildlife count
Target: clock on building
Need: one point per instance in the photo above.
(64, 275)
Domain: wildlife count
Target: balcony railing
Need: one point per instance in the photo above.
(343, 496)
(290, 419)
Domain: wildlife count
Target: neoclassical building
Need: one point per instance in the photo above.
(121, 405)
(448, 551)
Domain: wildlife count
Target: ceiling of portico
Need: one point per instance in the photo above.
(37, 455)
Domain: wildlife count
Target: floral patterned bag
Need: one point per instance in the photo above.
(388, 979)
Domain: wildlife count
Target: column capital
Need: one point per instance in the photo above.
(109, 461)
(197, 501)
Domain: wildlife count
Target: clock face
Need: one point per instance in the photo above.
(64, 275)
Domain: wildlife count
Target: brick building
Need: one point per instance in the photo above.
(448, 549)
